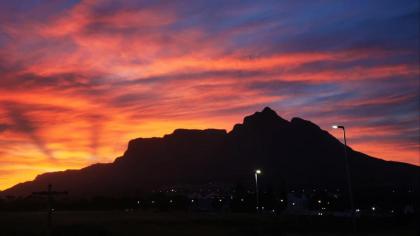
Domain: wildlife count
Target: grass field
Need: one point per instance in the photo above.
(186, 223)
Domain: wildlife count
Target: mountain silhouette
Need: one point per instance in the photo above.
(294, 153)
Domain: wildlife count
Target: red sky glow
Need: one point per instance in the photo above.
(79, 79)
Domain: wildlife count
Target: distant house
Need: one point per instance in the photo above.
(297, 204)
(408, 210)
(206, 201)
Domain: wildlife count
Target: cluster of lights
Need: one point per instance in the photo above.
(258, 172)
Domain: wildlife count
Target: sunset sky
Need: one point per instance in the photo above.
(79, 79)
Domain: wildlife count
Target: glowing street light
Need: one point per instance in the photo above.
(346, 160)
(257, 172)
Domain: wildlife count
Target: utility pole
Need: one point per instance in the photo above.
(50, 194)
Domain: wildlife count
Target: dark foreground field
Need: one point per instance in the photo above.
(202, 224)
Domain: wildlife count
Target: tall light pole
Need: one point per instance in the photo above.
(257, 193)
(349, 185)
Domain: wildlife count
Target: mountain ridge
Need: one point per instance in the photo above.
(296, 152)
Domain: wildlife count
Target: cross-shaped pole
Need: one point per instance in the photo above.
(50, 194)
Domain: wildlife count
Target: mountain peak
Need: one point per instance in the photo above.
(268, 110)
(267, 118)
(264, 116)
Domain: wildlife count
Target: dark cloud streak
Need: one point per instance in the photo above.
(24, 124)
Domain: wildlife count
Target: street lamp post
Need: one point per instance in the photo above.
(257, 194)
(349, 185)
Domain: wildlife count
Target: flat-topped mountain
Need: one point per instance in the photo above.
(292, 153)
